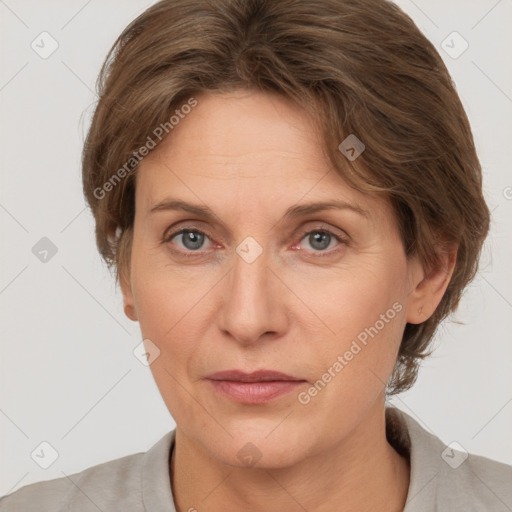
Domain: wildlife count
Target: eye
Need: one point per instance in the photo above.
(192, 240)
(321, 239)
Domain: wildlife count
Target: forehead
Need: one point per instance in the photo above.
(248, 149)
(240, 131)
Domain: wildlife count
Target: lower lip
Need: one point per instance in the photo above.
(255, 392)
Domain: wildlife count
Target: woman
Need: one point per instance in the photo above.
(290, 196)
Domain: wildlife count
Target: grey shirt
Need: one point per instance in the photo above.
(442, 479)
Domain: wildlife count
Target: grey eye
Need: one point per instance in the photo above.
(191, 240)
(319, 240)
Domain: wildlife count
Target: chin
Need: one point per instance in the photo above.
(259, 444)
(263, 455)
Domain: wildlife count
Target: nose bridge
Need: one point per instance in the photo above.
(250, 306)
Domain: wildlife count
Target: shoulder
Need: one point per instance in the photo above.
(446, 477)
(116, 481)
(140, 481)
(480, 483)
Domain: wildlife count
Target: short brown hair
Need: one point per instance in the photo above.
(357, 66)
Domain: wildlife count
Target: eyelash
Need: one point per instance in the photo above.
(191, 254)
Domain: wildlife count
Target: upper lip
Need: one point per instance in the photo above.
(256, 376)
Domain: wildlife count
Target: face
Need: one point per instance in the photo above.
(231, 271)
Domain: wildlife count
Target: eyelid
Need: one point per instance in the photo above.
(322, 226)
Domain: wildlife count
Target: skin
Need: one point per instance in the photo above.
(249, 156)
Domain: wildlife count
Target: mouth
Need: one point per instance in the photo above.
(257, 387)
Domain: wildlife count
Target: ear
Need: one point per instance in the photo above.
(426, 291)
(126, 289)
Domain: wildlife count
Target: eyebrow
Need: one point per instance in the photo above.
(292, 212)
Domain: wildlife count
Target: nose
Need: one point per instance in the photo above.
(252, 302)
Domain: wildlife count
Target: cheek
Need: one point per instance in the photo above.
(362, 311)
(174, 308)
(169, 309)
(352, 366)
(349, 299)
(166, 313)
(162, 292)
(156, 297)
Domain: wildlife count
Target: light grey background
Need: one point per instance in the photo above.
(68, 373)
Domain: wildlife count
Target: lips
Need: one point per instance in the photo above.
(256, 376)
(254, 388)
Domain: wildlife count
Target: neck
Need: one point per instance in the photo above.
(362, 472)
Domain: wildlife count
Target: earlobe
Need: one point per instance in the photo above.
(428, 291)
(129, 311)
(129, 307)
